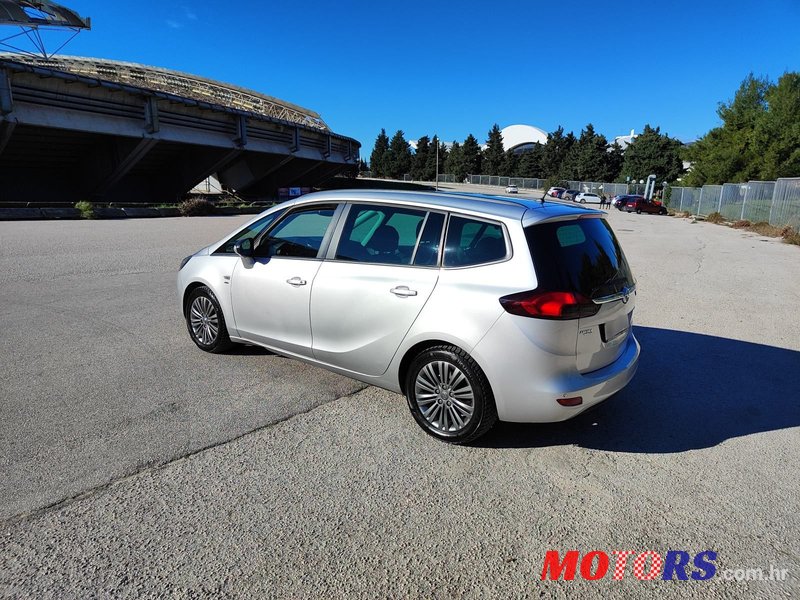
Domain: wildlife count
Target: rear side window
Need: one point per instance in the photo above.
(473, 242)
(580, 256)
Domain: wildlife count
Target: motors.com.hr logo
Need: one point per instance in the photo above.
(646, 566)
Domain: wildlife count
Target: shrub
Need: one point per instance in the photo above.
(196, 207)
(715, 217)
(790, 235)
(742, 224)
(86, 208)
(764, 228)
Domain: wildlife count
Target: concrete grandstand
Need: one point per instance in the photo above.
(74, 128)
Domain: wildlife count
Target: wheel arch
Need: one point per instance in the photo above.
(422, 346)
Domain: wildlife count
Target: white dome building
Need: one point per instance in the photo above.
(522, 137)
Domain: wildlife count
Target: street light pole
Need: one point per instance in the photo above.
(436, 137)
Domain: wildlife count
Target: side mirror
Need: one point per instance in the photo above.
(243, 247)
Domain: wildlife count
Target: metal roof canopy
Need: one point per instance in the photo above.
(32, 16)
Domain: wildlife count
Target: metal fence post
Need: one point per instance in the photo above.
(744, 202)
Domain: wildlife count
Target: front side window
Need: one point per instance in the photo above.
(380, 234)
(298, 235)
(250, 232)
(473, 242)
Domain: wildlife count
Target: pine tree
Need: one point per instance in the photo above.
(530, 162)
(653, 153)
(376, 159)
(421, 159)
(510, 166)
(430, 166)
(472, 156)
(554, 155)
(397, 159)
(777, 132)
(494, 155)
(455, 162)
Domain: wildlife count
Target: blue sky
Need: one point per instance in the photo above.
(458, 67)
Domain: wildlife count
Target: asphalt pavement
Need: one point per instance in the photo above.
(134, 465)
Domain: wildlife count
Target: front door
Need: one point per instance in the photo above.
(270, 293)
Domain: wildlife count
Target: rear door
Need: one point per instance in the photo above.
(583, 256)
(373, 285)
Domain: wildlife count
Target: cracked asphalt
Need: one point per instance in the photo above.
(135, 466)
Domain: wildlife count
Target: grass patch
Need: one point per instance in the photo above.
(764, 228)
(86, 208)
(715, 217)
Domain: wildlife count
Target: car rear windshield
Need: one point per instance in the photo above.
(581, 255)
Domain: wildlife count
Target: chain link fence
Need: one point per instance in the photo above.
(775, 202)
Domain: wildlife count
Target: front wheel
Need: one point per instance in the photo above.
(205, 321)
(583, 200)
(449, 395)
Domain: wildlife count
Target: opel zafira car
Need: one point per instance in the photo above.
(476, 308)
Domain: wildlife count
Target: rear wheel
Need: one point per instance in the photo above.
(449, 395)
(638, 211)
(205, 321)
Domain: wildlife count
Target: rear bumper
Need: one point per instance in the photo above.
(527, 381)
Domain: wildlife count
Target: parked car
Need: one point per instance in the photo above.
(619, 202)
(556, 192)
(511, 189)
(585, 197)
(570, 194)
(476, 309)
(641, 204)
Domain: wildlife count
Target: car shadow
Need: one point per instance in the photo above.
(248, 350)
(691, 391)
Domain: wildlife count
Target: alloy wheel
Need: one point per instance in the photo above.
(204, 320)
(444, 396)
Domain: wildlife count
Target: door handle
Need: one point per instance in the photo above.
(402, 291)
(296, 281)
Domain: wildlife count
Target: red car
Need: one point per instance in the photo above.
(641, 205)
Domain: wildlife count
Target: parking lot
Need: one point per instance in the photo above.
(135, 465)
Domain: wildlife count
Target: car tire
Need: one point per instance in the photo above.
(205, 321)
(638, 211)
(583, 200)
(449, 396)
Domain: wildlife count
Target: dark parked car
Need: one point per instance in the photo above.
(641, 205)
(569, 194)
(620, 201)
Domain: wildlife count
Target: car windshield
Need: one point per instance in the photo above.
(579, 256)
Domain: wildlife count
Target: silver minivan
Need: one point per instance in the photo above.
(476, 308)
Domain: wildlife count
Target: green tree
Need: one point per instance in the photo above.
(530, 162)
(421, 159)
(730, 152)
(397, 159)
(494, 155)
(376, 159)
(652, 152)
(472, 156)
(589, 158)
(430, 167)
(777, 131)
(553, 159)
(510, 166)
(454, 163)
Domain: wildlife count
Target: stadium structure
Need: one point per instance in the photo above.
(74, 128)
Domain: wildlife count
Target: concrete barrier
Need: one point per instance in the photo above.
(227, 210)
(20, 214)
(109, 213)
(140, 213)
(169, 212)
(61, 213)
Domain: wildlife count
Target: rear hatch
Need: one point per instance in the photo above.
(581, 256)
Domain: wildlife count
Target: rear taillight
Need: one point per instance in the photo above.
(549, 305)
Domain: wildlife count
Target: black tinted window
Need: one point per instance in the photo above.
(428, 248)
(473, 242)
(578, 256)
